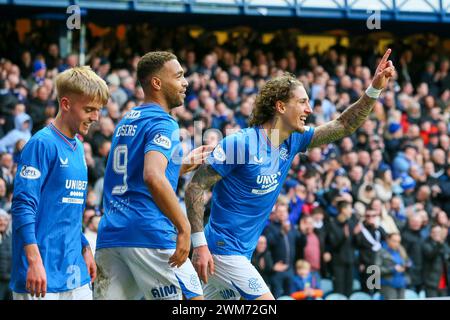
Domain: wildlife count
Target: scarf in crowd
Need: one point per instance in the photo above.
(375, 242)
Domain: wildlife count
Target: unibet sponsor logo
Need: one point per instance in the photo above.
(267, 179)
(162, 141)
(268, 183)
(76, 184)
(76, 196)
(29, 172)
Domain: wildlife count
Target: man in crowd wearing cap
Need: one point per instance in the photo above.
(394, 139)
(38, 75)
(404, 160)
(408, 185)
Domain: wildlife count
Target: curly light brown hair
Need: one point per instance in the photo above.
(276, 89)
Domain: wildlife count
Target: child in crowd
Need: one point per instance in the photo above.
(305, 284)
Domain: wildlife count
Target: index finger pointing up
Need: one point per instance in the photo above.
(385, 57)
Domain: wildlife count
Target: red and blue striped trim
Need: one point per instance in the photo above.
(59, 133)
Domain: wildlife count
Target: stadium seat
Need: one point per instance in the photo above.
(285, 298)
(360, 296)
(356, 285)
(326, 285)
(411, 295)
(336, 296)
(377, 296)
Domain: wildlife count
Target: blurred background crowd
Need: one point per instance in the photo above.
(380, 197)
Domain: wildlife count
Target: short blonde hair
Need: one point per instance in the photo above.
(302, 264)
(282, 199)
(82, 81)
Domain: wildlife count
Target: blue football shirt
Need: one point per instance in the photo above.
(49, 198)
(132, 218)
(253, 172)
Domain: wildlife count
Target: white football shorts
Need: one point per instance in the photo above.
(136, 273)
(81, 293)
(234, 277)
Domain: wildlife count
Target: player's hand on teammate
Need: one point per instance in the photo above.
(195, 158)
(182, 249)
(384, 72)
(203, 262)
(36, 283)
(90, 263)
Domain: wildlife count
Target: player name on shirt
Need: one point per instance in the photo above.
(126, 130)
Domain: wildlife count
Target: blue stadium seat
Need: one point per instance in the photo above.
(326, 285)
(336, 296)
(411, 295)
(360, 296)
(377, 296)
(356, 285)
(422, 294)
(285, 298)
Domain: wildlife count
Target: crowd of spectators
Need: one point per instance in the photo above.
(379, 197)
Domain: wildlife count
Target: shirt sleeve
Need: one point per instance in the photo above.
(163, 136)
(31, 173)
(302, 140)
(227, 155)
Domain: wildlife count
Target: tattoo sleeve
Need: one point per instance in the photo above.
(203, 180)
(347, 123)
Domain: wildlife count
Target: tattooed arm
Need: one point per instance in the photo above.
(353, 117)
(347, 123)
(203, 180)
